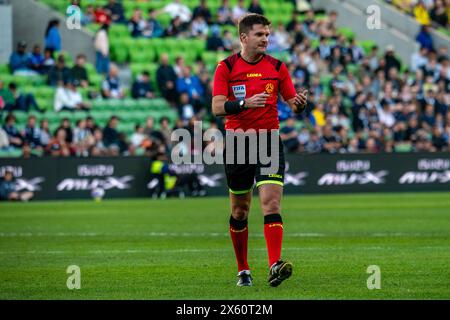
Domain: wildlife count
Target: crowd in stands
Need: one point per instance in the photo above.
(369, 102)
(434, 13)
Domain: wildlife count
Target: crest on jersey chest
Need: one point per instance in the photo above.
(239, 91)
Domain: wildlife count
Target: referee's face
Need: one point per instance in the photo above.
(257, 39)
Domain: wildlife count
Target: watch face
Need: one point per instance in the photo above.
(241, 103)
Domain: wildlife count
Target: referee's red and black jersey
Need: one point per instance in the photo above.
(238, 79)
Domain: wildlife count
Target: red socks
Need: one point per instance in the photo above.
(239, 236)
(273, 232)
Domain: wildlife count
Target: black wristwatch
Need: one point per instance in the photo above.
(242, 104)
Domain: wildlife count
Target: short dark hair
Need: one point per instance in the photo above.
(247, 22)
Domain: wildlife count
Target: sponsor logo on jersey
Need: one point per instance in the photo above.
(239, 91)
(254, 75)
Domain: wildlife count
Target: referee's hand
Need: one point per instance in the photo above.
(300, 100)
(257, 101)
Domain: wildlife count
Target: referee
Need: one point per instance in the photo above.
(246, 89)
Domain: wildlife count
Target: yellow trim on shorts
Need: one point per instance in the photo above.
(241, 192)
(270, 182)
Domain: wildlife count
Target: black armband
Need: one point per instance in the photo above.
(234, 107)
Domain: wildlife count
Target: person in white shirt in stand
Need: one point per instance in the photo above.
(177, 9)
(68, 98)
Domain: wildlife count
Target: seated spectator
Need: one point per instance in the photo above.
(224, 13)
(4, 142)
(59, 73)
(191, 84)
(424, 38)
(151, 132)
(142, 87)
(175, 28)
(214, 41)
(59, 146)
(68, 98)
(185, 108)
(82, 139)
(110, 133)
(20, 61)
(32, 133)
(89, 15)
(116, 10)
(91, 125)
(199, 28)
(98, 148)
(153, 28)
(165, 130)
(177, 9)
(49, 62)
(289, 135)
(37, 60)
(23, 101)
(356, 51)
(111, 87)
(8, 189)
(228, 41)
(419, 59)
(202, 11)
(15, 138)
(440, 14)
(166, 79)
(45, 135)
(8, 99)
(138, 136)
(102, 16)
(137, 24)
(79, 72)
(255, 7)
(280, 39)
(239, 11)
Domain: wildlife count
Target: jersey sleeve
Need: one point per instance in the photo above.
(287, 89)
(221, 76)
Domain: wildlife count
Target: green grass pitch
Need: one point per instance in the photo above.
(180, 249)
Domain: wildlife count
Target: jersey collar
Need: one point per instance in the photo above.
(251, 63)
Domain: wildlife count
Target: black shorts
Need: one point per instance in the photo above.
(241, 177)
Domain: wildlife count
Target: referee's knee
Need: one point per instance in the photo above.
(270, 206)
(240, 212)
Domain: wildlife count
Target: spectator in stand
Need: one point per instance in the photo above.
(52, 36)
(153, 28)
(8, 189)
(4, 142)
(117, 11)
(228, 41)
(137, 24)
(45, 135)
(289, 135)
(225, 13)
(59, 146)
(424, 38)
(20, 61)
(102, 16)
(175, 28)
(91, 125)
(111, 87)
(37, 60)
(142, 87)
(49, 62)
(68, 98)
(391, 60)
(239, 11)
(165, 130)
(101, 44)
(32, 133)
(419, 59)
(138, 136)
(110, 134)
(23, 101)
(440, 14)
(199, 28)
(88, 16)
(203, 11)
(79, 72)
(421, 13)
(185, 107)
(255, 7)
(177, 9)
(15, 138)
(59, 72)
(214, 41)
(8, 99)
(166, 78)
(98, 148)
(191, 84)
(82, 139)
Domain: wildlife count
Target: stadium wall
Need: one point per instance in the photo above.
(129, 177)
(6, 34)
(30, 19)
